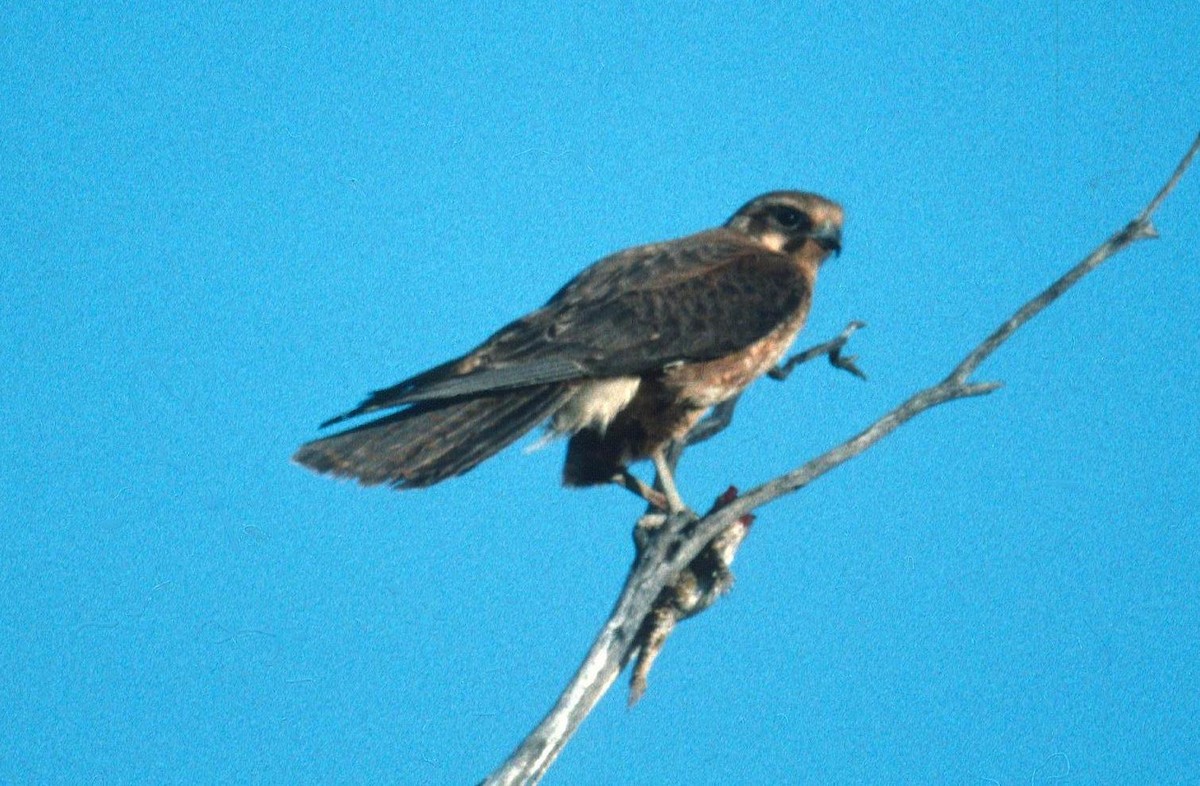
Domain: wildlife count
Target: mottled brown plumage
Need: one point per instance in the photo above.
(624, 358)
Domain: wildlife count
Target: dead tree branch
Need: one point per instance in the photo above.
(668, 550)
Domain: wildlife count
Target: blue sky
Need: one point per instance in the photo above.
(224, 225)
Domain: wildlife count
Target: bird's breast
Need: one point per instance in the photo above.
(710, 382)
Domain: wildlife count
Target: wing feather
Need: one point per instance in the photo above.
(696, 299)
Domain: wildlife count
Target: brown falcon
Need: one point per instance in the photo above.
(625, 358)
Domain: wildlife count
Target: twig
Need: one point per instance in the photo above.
(674, 545)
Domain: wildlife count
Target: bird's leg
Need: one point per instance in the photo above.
(627, 480)
(667, 479)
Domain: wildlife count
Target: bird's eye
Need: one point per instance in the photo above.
(788, 217)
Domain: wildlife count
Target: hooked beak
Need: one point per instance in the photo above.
(828, 236)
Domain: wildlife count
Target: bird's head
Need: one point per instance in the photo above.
(792, 222)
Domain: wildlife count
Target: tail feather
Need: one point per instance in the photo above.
(457, 438)
(516, 423)
(434, 440)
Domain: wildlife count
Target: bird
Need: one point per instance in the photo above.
(623, 360)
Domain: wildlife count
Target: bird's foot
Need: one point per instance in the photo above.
(627, 480)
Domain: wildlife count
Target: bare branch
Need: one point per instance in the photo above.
(1169, 186)
(694, 589)
(1138, 229)
(644, 616)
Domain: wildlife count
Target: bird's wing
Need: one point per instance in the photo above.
(635, 312)
(693, 315)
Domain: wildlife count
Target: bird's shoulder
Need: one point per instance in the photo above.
(655, 265)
